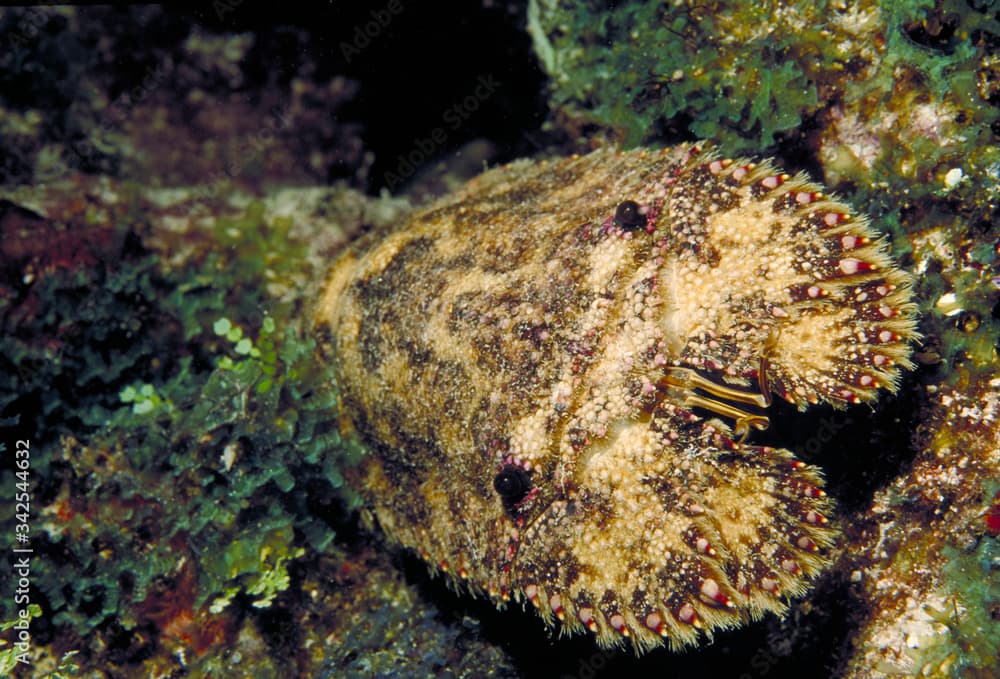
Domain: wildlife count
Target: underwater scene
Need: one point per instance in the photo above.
(540, 338)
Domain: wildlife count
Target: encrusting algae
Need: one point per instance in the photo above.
(542, 363)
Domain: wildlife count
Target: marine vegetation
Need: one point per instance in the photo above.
(186, 445)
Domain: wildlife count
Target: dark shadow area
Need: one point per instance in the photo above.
(860, 448)
(431, 78)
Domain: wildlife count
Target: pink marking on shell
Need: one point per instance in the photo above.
(848, 242)
(807, 489)
(769, 585)
(849, 265)
(586, 616)
(791, 566)
(814, 291)
(555, 603)
(834, 218)
(772, 182)
(740, 173)
(686, 613)
(716, 166)
(806, 544)
(710, 589)
(618, 622)
(654, 621)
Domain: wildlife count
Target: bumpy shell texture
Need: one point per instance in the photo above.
(556, 366)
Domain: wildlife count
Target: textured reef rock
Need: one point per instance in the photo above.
(191, 104)
(539, 362)
(927, 555)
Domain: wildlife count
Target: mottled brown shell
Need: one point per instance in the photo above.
(528, 359)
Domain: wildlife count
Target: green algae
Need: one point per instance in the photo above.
(743, 73)
(643, 68)
(187, 445)
(969, 647)
(9, 654)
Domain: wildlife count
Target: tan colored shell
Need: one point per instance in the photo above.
(516, 328)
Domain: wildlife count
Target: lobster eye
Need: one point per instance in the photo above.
(628, 216)
(511, 483)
